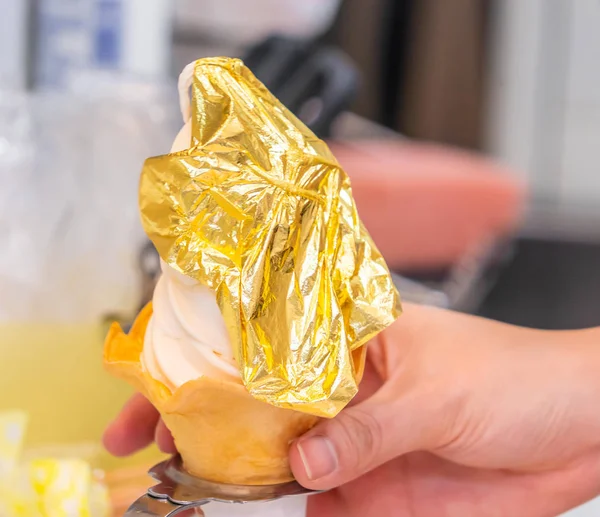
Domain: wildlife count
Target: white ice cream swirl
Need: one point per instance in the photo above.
(186, 336)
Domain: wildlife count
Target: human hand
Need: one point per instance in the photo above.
(505, 420)
(462, 417)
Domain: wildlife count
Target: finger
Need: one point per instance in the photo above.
(133, 429)
(164, 438)
(358, 440)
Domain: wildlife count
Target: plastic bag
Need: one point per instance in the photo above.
(69, 169)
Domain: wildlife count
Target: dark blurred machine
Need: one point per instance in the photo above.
(315, 82)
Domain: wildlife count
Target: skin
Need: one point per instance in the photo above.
(457, 416)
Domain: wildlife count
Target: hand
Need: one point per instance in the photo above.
(505, 418)
(506, 421)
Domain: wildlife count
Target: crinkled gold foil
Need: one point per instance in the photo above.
(259, 210)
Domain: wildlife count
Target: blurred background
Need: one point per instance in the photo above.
(468, 128)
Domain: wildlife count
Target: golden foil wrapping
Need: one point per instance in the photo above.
(259, 210)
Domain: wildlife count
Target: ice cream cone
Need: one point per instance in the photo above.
(253, 207)
(222, 433)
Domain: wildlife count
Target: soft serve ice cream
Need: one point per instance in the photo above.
(270, 284)
(186, 336)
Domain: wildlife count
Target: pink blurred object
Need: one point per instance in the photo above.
(427, 206)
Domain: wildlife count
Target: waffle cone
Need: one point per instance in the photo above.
(222, 433)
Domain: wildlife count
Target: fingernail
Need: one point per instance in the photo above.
(318, 457)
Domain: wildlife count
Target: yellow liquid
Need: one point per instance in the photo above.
(55, 373)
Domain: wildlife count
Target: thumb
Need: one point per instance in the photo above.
(355, 442)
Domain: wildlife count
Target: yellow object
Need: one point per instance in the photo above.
(15, 492)
(45, 487)
(12, 433)
(222, 433)
(17, 498)
(62, 488)
(259, 210)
